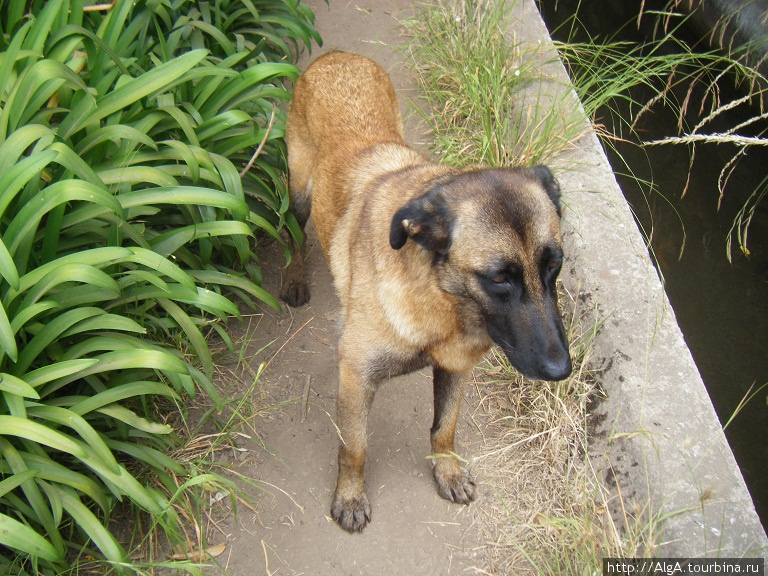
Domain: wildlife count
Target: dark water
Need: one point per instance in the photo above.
(721, 306)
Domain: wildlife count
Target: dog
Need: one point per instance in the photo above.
(432, 264)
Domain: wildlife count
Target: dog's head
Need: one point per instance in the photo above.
(495, 239)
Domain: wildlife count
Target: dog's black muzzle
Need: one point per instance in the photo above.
(533, 340)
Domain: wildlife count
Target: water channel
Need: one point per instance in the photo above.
(721, 306)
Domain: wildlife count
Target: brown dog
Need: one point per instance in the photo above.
(480, 266)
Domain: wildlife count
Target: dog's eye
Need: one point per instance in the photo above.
(554, 264)
(508, 275)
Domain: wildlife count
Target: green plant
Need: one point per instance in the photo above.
(690, 82)
(477, 81)
(123, 223)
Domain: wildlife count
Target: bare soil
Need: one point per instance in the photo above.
(293, 456)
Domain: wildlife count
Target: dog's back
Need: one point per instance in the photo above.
(342, 104)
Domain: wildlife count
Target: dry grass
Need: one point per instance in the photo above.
(552, 513)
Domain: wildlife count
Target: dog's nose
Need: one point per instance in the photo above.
(556, 367)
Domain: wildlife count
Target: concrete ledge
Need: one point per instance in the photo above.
(658, 435)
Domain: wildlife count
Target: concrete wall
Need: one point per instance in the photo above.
(657, 433)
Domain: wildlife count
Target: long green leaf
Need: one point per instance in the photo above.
(92, 257)
(184, 121)
(186, 154)
(191, 333)
(152, 81)
(105, 322)
(7, 338)
(83, 113)
(35, 40)
(37, 86)
(222, 122)
(133, 358)
(92, 526)
(120, 480)
(7, 267)
(16, 480)
(111, 30)
(132, 419)
(36, 432)
(14, 385)
(222, 279)
(28, 218)
(171, 241)
(61, 35)
(61, 369)
(9, 59)
(158, 460)
(74, 162)
(20, 174)
(52, 471)
(177, 195)
(155, 261)
(21, 317)
(111, 133)
(250, 78)
(16, 535)
(202, 298)
(50, 333)
(42, 511)
(66, 272)
(80, 425)
(122, 392)
(106, 343)
(16, 144)
(132, 175)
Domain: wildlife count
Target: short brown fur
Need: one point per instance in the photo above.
(432, 264)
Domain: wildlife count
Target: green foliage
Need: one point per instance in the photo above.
(124, 223)
(476, 80)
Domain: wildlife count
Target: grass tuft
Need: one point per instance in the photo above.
(482, 88)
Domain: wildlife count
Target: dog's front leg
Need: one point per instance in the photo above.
(453, 481)
(350, 506)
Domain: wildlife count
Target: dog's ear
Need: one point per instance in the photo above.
(550, 184)
(427, 220)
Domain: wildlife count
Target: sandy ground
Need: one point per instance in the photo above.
(413, 531)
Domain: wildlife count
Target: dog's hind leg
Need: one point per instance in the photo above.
(295, 287)
(301, 162)
(453, 481)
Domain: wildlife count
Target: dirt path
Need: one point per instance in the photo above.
(414, 531)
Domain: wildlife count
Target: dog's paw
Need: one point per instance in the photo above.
(295, 293)
(352, 514)
(454, 483)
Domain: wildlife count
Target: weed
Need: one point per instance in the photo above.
(483, 89)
